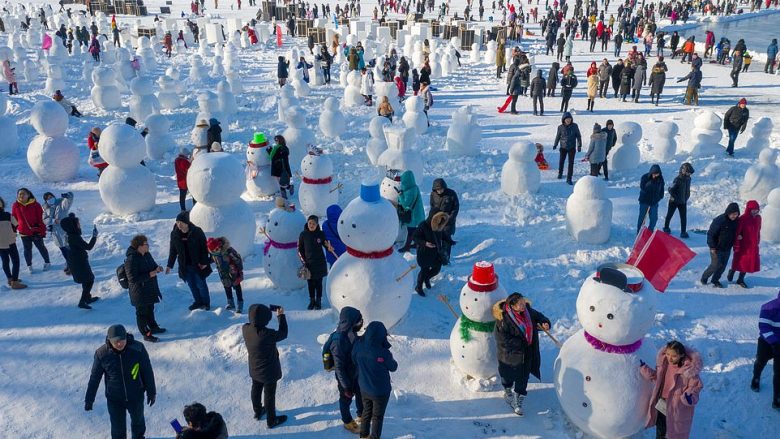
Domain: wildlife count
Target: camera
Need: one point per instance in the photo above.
(274, 308)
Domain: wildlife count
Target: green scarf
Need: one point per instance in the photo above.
(467, 325)
(273, 151)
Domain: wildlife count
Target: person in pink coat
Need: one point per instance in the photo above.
(746, 257)
(676, 390)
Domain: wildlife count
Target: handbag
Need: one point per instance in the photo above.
(661, 406)
(405, 215)
(206, 271)
(304, 273)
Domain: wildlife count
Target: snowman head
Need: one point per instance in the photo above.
(707, 120)
(173, 72)
(523, 152)
(481, 292)
(287, 93)
(332, 104)
(208, 102)
(615, 305)
(369, 223)
(399, 137)
(157, 124)
(165, 82)
(414, 104)
(375, 127)
(196, 62)
(50, 119)
(630, 133)
(215, 179)
(667, 130)
(296, 118)
(122, 146)
(223, 87)
(763, 125)
(773, 199)
(256, 152)
(141, 86)
(767, 157)
(284, 224)
(316, 166)
(589, 188)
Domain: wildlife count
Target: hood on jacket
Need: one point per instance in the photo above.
(565, 116)
(213, 122)
(131, 251)
(555, 66)
(655, 169)
(407, 181)
(333, 213)
(184, 217)
(732, 208)
(259, 315)
(70, 225)
(692, 365)
(752, 204)
(498, 310)
(439, 221)
(687, 167)
(539, 74)
(439, 183)
(348, 318)
(376, 335)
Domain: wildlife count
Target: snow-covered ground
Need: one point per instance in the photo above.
(46, 343)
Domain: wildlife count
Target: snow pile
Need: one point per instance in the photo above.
(589, 211)
(761, 178)
(520, 175)
(51, 155)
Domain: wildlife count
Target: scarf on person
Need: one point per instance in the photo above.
(523, 322)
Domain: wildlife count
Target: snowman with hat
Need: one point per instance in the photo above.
(259, 181)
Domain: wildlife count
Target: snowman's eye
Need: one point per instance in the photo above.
(341, 222)
(476, 299)
(276, 223)
(354, 226)
(610, 316)
(592, 308)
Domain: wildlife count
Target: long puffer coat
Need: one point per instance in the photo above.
(657, 79)
(626, 80)
(78, 259)
(746, 254)
(311, 247)
(144, 289)
(263, 357)
(515, 356)
(411, 199)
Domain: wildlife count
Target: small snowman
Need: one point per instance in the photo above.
(105, 93)
(146, 53)
(705, 135)
(259, 182)
(377, 144)
(665, 147)
(8, 131)
(770, 218)
(589, 211)
(280, 254)
(400, 153)
(625, 155)
(31, 72)
(198, 72)
(370, 276)
(352, 95)
(158, 140)
(490, 53)
(297, 134)
(520, 175)
(216, 181)
(474, 56)
(51, 156)
(227, 101)
(472, 344)
(168, 96)
(759, 135)
(344, 75)
(415, 116)
(464, 133)
(126, 186)
(143, 102)
(208, 105)
(301, 87)
(317, 191)
(332, 121)
(217, 71)
(761, 178)
(286, 101)
(54, 79)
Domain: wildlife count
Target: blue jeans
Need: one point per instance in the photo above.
(344, 403)
(617, 50)
(653, 214)
(733, 133)
(198, 286)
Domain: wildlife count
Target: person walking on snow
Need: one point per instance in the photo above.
(568, 136)
(230, 267)
(748, 235)
(311, 243)
(720, 240)
(433, 245)
(78, 258)
(771, 54)
(29, 217)
(188, 249)
(517, 344)
(125, 365)
(55, 210)
(735, 121)
(371, 354)
(410, 205)
(339, 345)
(679, 193)
(537, 93)
(597, 150)
(651, 192)
(768, 348)
(141, 270)
(181, 165)
(8, 251)
(675, 392)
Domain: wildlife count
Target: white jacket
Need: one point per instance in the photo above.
(367, 84)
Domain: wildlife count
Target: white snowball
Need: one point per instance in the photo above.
(53, 158)
(589, 211)
(332, 121)
(414, 116)
(49, 118)
(761, 178)
(625, 155)
(216, 179)
(400, 153)
(377, 144)
(234, 221)
(770, 218)
(665, 145)
(520, 175)
(759, 135)
(127, 190)
(121, 145)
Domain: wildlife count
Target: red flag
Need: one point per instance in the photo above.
(502, 108)
(659, 256)
(278, 35)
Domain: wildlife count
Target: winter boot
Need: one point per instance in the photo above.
(46, 266)
(717, 284)
(157, 330)
(755, 385)
(352, 427)
(277, 421)
(667, 230)
(93, 299)
(84, 305)
(16, 285)
(318, 303)
(230, 305)
(730, 276)
(150, 338)
(509, 395)
(684, 235)
(427, 283)
(518, 404)
(776, 404)
(240, 308)
(292, 189)
(311, 304)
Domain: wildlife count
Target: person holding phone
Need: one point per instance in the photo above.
(29, 215)
(142, 271)
(265, 369)
(78, 258)
(200, 424)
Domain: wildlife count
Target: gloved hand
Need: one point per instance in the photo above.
(579, 149)
(94, 230)
(348, 394)
(642, 363)
(689, 399)
(555, 147)
(87, 406)
(150, 399)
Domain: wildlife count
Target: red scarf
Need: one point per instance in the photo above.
(325, 180)
(370, 255)
(523, 322)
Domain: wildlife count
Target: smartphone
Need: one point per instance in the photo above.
(274, 308)
(176, 426)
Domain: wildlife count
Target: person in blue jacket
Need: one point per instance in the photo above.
(371, 354)
(410, 199)
(771, 54)
(331, 230)
(651, 192)
(341, 343)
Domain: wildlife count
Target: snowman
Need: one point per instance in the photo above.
(770, 218)
(414, 117)
(146, 53)
(370, 276)
(54, 79)
(390, 189)
(286, 101)
(51, 155)
(464, 134)
(301, 87)
(216, 181)
(123, 148)
(761, 178)
(665, 146)
(198, 72)
(472, 344)
(105, 93)
(400, 153)
(226, 99)
(352, 95)
(216, 67)
(625, 155)
(597, 377)
(490, 52)
(589, 211)
(168, 94)
(297, 134)
(759, 135)
(158, 140)
(520, 175)
(332, 121)
(259, 182)
(705, 135)
(143, 102)
(474, 56)
(317, 190)
(8, 131)
(343, 75)
(377, 144)
(280, 254)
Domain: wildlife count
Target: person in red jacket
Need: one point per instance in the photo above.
(95, 160)
(182, 165)
(401, 86)
(746, 257)
(29, 215)
(593, 69)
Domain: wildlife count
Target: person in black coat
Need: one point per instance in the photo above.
(560, 42)
(188, 249)
(279, 155)
(214, 133)
(78, 259)
(517, 342)
(372, 356)
(679, 193)
(720, 240)
(282, 71)
(552, 79)
(444, 199)
(651, 192)
(340, 348)
(609, 128)
(537, 92)
(626, 80)
(142, 270)
(311, 241)
(568, 83)
(202, 424)
(617, 73)
(264, 366)
(568, 136)
(125, 365)
(735, 121)
(431, 240)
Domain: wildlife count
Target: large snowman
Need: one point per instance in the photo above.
(370, 276)
(317, 191)
(259, 182)
(472, 343)
(597, 375)
(126, 187)
(280, 255)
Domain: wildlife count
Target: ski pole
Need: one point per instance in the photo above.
(442, 298)
(338, 187)
(408, 270)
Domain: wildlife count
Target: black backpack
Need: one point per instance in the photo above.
(121, 276)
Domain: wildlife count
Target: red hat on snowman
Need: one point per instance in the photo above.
(483, 277)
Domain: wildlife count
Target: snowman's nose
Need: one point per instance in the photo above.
(599, 325)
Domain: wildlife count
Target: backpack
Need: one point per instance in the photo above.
(327, 359)
(121, 276)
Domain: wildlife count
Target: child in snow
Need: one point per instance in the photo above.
(55, 210)
(746, 60)
(78, 258)
(230, 268)
(10, 77)
(282, 70)
(279, 155)
(66, 104)
(385, 109)
(95, 160)
(401, 86)
(541, 162)
(415, 81)
(425, 91)
(8, 251)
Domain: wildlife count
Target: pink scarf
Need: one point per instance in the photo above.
(523, 322)
(280, 245)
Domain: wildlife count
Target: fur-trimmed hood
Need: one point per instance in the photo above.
(692, 365)
(498, 308)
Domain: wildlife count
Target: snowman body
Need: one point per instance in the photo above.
(123, 148)
(226, 99)
(280, 255)
(297, 134)
(377, 144)
(760, 135)
(54, 79)
(625, 155)
(705, 135)
(464, 133)
(51, 155)
(352, 95)
(474, 55)
(168, 96)
(259, 182)
(520, 175)
(400, 153)
(370, 275)
(589, 211)
(770, 218)
(317, 190)
(596, 374)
